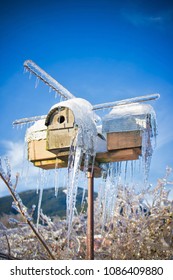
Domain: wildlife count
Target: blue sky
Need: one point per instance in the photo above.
(99, 50)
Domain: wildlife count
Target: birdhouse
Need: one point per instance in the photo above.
(68, 122)
(61, 129)
(125, 128)
(37, 152)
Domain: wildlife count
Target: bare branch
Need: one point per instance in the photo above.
(22, 209)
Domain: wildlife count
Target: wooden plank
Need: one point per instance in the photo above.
(37, 150)
(123, 140)
(50, 163)
(118, 155)
(42, 158)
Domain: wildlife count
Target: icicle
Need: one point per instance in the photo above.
(38, 181)
(132, 170)
(125, 172)
(36, 82)
(109, 194)
(56, 94)
(73, 187)
(146, 155)
(56, 179)
(25, 70)
(40, 195)
(93, 162)
(85, 171)
(30, 75)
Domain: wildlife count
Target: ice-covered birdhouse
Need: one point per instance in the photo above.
(69, 122)
(130, 127)
(61, 128)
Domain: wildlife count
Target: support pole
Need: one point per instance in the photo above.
(90, 225)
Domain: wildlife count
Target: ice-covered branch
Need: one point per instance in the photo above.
(29, 120)
(23, 210)
(126, 101)
(47, 79)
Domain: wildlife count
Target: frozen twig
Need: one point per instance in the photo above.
(22, 209)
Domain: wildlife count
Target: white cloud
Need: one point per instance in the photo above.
(15, 153)
(139, 19)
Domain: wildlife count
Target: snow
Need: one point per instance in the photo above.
(37, 131)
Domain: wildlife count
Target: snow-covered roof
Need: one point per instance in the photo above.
(81, 109)
(129, 117)
(37, 131)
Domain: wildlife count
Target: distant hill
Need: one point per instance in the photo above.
(51, 205)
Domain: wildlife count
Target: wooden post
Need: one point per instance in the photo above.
(90, 222)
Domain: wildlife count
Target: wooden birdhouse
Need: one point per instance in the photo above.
(61, 129)
(64, 121)
(125, 127)
(49, 140)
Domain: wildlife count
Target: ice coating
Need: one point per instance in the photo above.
(127, 101)
(47, 79)
(30, 120)
(129, 117)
